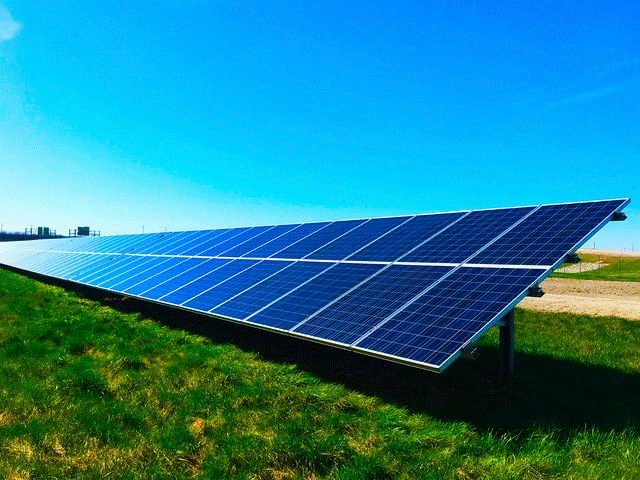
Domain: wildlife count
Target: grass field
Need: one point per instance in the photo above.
(93, 390)
(618, 268)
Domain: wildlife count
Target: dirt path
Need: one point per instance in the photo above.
(589, 297)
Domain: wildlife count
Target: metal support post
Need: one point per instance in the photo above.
(506, 345)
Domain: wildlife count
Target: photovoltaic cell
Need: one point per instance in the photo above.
(108, 265)
(67, 263)
(357, 312)
(77, 264)
(318, 239)
(156, 267)
(253, 273)
(283, 241)
(287, 312)
(441, 321)
(75, 244)
(41, 261)
(123, 244)
(92, 244)
(213, 239)
(171, 240)
(548, 234)
(166, 281)
(153, 242)
(257, 241)
(193, 242)
(357, 238)
(407, 236)
(467, 236)
(133, 266)
(234, 241)
(413, 289)
(265, 292)
(205, 277)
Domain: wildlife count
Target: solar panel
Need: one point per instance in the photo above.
(283, 241)
(174, 277)
(449, 315)
(351, 315)
(249, 272)
(352, 241)
(415, 289)
(318, 239)
(263, 293)
(467, 236)
(309, 297)
(406, 237)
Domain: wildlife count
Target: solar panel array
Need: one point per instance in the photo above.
(414, 289)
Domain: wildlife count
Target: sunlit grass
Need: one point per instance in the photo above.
(89, 392)
(617, 268)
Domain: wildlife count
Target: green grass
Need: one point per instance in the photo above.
(89, 391)
(618, 268)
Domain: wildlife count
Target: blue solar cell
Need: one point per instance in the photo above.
(313, 295)
(74, 263)
(156, 267)
(31, 253)
(209, 275)
(214, 238)
(439, 323)
(196, 240)
(318, 239)
(80, 262)
(548, 234)
(179, 241)
(257, 241)
(353, 315)
(65, 263)
(284, 241)
(406, 237)
(19, 258)
(151, 242)
(270, 289)
(75, 269)
(247, 234)
(37, 246)
(357, 238)
(119, 243)
(162, 243)
(35, 260)
(167, 280)
(74, 244)
(135, 265)
(115, 244)
(467, 236)
(103, 267)
(89, 244)
(233, 285)
(82, 244)
(100, 270)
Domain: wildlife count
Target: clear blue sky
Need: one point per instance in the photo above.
(180, 115)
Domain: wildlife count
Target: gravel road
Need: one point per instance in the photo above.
(589, 297)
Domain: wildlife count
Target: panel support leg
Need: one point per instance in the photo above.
(506, 345)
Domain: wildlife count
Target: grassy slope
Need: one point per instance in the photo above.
(87, 391)
(618, 269)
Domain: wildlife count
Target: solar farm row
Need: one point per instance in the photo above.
(414, 289)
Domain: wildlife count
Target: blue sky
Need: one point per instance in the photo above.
(181, 115)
